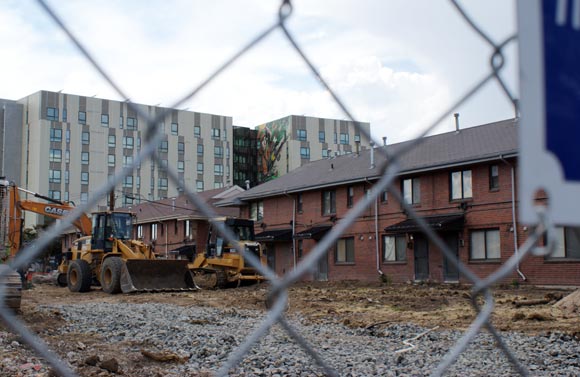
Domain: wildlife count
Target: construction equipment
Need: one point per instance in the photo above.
(221, 265)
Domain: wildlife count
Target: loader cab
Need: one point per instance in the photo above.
(243, 231)
(108, 226)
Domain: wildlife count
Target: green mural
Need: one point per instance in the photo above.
(271, 137)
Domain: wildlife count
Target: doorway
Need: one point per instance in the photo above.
(450, 272)
(421, 253)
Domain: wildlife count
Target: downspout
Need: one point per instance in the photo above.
(377, 234)
(293, 227)
(514, 222)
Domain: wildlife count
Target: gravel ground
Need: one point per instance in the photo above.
(200, 339)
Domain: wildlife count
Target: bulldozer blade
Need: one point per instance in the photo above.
(159, 275)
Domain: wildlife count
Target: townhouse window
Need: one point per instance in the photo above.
(162, 183)
(199, 186)
(85, 158)
(131, 123)
(349, 196)
(328, 202)
(196, 131)
(301, 135)
(325, 153)
(174, 128)
(55, 155)
(153, 231)
(180, 147)
(257, 210)
(305, 153)
(128, 181)
(218, 151)
(82, 117)
(394, 248)
(344, 250)
(384, 196)
(344, 139)
(105, 120)
(111, 160)
(200, 168)
(180, 166)
(128, 142)
(200, 149)
(461, 187)
(127, 161)
(494, 177)
(218, 169)
(300, 247)
(140, 231)
(84, 197)
(163, 146)
(568, 244)
(485, 245)
(121, 122)
(85, 138)
(51, 113)
(64, 115)
(54, 194)
(215, 133)
(56, 134)
(54, 176)
(412, 190)
(321, 136)
(299, 203)
(112, 142)
(84, 178)
(67, 156)
(187, 229)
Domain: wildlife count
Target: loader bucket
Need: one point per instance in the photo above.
(142, 275)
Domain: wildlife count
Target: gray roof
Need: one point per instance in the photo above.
(469, 145)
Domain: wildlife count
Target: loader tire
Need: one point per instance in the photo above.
(61, 280)
(111, 275)
(79, 276)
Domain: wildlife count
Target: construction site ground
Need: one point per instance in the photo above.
(362, 305)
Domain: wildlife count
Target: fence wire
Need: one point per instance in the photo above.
(278, 295)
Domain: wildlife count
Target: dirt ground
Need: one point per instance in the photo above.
(354, 304)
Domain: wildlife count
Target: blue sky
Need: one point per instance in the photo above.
(396, 63)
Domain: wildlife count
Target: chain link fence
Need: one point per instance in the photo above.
(482, 288)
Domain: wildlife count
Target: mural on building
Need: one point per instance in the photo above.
(271, 137)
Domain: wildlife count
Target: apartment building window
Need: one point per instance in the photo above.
(65, 196)
(56, 134)
(112, 141)
(200, 168)
(128, 142)
(162, 183)
(344, 139)
(163, 146)
(328, 202)
(394, 248)
(199, 186)
(51, 113)
(66, 177)
(218, 151)
(412, 190)
(174, 128)
(344, 251)
(105, 120)
(131, 123)
(301, 135)
(217, 185)
(568, 244)
(85, 138)
(84, 197)
(357, 138)
(321, 136)
(164, 163)
(153, 231)
(55, 155)
(325, 153)
(257, 210)
(218, 169)
(349, 196)
(85, 158)
(485, 245)
(121, 122)
(54, 176)
(200, 149)
(84, 178)
(180, 147)
(54, 194)
(494, 177)
(67, 136)
(111, 160)
(127, 161)
(215, 133)
(335, 138)
(64, 115)
(305, 153)
(82, 117)
(180, 166)
(299, 203)
(128, 181)
(196, 131)
(461, 187)
(67, 156)
(137, 182)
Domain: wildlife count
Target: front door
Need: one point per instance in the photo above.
(322, 270)
(421, 252)
(450, 272)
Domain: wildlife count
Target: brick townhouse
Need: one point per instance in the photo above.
(463, 183)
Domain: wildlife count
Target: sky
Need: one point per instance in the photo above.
(398, 64)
